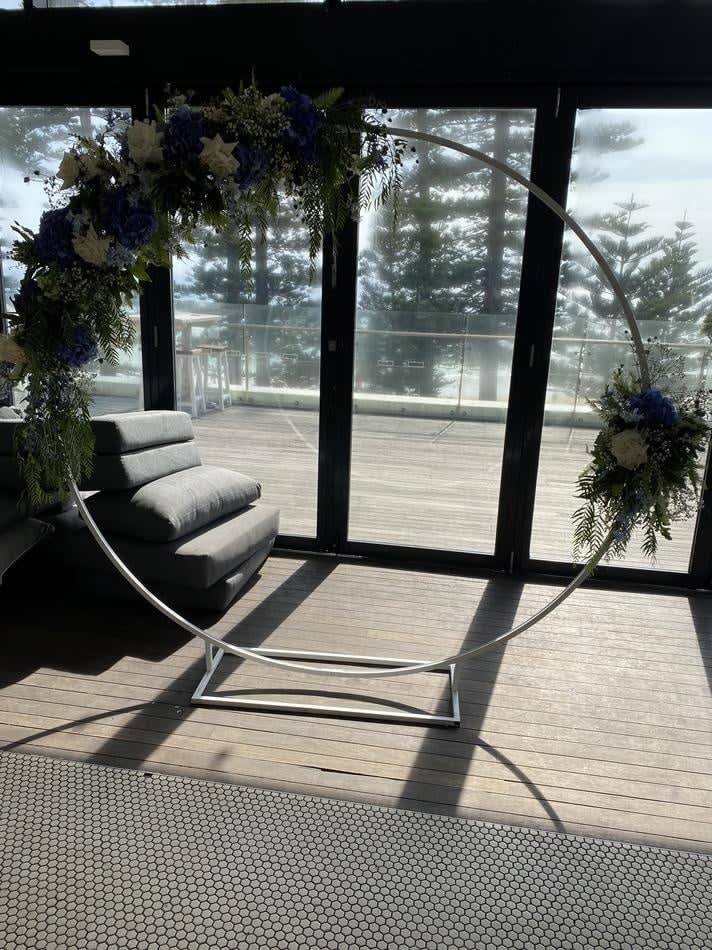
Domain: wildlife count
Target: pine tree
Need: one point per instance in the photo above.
(271, 313)
(453, 262)
(674, 289)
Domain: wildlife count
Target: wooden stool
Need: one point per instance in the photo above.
(216, 369)
(189, 376)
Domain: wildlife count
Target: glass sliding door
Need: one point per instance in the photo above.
(437, 303)
(248, 362)
(641, 187)
(32, 142)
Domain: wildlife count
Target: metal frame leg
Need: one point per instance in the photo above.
(213, 658)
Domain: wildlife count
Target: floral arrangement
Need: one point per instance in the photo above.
(644, 466)
(132, 198)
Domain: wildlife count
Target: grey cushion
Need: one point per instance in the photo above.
(173, 506)
(197, 561)
(11, 509)
(8, 428)
(109, 583)
(132, 469)
(9, 412)
(121, 432)
(18, 539)
(201, 559)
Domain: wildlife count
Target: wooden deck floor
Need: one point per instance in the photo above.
(598, 722)
(424, 482)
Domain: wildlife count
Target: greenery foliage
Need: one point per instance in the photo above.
(644, 462)
(134, 197)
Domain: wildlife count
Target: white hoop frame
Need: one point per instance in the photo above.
(378, 668)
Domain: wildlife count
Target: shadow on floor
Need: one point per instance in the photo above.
(701, 613)
(64, 629)
(266, 617)
(61, 638)
(500, 599)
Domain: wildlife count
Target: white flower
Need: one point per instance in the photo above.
(629, 448)
(144, 143)
(218, 158)
(91, 247)
(69, 169)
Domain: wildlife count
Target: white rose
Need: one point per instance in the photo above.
(629, 448)
(68, 170)
(144, 143)
(91, 248)
(218, 158)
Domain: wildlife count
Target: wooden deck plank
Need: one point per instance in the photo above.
(425, 482)
(599, 721)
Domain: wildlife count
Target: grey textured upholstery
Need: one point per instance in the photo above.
(201, 559)
(175, 505)
(121, 432)
(109, 583)
(197, 561)
(132, 469)
(190, 532)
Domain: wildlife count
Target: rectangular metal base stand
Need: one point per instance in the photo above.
(213, 658)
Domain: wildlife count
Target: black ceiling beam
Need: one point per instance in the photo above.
(413, 44)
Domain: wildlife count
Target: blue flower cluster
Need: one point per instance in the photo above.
(120, 256)
(132, 223)
(302, 135)
(254, 165)
(182, 134)
(53, 241)
(82, 348)
(653, 407)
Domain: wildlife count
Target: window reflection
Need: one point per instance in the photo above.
(641, 187)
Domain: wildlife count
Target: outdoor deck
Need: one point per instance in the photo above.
(599, 721)
(425, 482)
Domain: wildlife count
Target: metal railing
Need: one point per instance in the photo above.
(282, 357)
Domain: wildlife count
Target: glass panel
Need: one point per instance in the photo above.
(248, 363)
(11, 4)
(641, 187)
(437, 302)
(32, 142)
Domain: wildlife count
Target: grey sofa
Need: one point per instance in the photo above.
(193, 533)
(19, 532)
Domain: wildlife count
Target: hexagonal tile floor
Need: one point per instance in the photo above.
(94, 857)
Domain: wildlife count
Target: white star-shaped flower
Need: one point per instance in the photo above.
(144, 143)
(217, 156)
(91, 247)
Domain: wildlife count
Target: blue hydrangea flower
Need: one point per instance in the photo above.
(302, 135)
(120, 256)
(53, 241)
(82, 348)
(653, 407)
(182, 134)
(26, 297)
(254, 165)
(132, 223)
(622, 527)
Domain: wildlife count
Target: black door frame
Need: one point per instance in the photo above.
(556, 109)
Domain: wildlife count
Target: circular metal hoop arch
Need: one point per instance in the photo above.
(416, 667)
